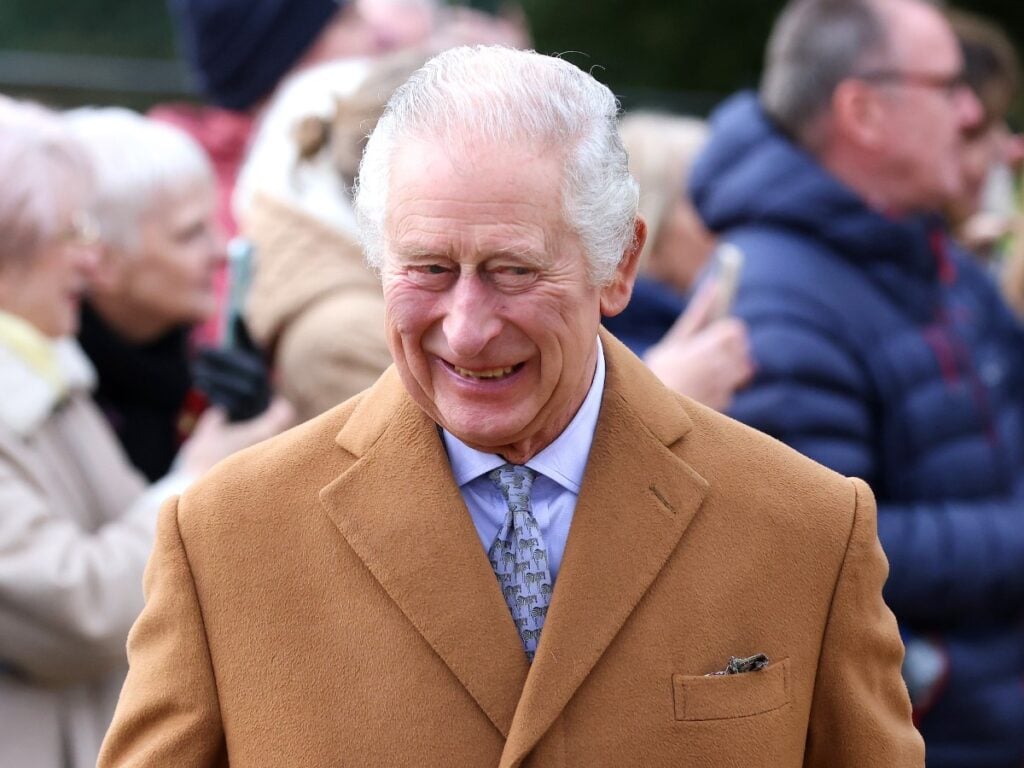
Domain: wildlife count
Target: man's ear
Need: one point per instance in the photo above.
(857, 113)
(615, 295)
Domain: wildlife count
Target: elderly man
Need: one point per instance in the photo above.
(517, 548)
(881, 350)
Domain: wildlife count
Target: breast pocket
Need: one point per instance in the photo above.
(720, 697)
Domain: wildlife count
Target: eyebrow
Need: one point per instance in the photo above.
(526, 254)
(413, 252)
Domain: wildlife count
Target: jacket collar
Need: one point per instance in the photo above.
(748, 154)
(399, 509)
(37, 374)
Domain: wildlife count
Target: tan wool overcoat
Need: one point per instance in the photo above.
(323, 600)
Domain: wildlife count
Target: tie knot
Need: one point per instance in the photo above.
(513, 480)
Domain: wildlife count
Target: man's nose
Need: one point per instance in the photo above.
(470, 321)
(968, 108)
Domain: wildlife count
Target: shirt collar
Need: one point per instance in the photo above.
(563, 461)
(37, 373)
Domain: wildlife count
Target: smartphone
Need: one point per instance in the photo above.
(240, 258)
(724, 269)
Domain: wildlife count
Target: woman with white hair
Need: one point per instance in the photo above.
(76, 520)
(670, 323)
(155, 206)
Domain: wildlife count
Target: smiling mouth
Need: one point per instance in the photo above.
(485, 373)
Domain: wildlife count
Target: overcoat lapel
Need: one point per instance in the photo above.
(636, 501)
(400, 511)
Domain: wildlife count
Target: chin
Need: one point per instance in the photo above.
(490, 439)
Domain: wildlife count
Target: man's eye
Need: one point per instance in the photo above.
(513, 276)
(513, 271)
(429, 269)
(433, 276)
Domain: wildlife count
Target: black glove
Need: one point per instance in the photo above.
(235, 379)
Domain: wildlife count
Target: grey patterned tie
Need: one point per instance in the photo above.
(519, 558)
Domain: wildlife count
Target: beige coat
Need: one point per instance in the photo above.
(315, 304)
(323, 600)
(72, 552)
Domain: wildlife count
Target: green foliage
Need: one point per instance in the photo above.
(659, 44)
(132, 28)
(675, 53)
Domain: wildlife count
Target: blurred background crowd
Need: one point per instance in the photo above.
(835, 257)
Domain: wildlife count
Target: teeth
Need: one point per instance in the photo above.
(494, 373)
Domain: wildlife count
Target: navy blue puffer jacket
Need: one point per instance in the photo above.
(885, 353)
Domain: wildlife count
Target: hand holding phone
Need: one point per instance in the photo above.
(234, 375)
(724, 272)
(240, 258)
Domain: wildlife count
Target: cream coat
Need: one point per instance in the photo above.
(72, 552)
(323, 600)
(316, 304)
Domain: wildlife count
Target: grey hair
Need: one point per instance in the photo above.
(47, 179)
(814, 46)
(507, 96)
(136, 161)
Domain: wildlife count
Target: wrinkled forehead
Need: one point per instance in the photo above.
(477, 164)
(499, 200)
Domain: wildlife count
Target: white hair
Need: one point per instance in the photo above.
(46, 179)
(506, 96)
(135, 161)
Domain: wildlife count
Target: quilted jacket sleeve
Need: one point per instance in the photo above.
(950, 560)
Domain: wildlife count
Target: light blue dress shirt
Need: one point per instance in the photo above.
(556, 487)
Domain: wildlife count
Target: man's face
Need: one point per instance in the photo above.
(492, 320)
(928, 108)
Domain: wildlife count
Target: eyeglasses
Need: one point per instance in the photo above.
(949, 85)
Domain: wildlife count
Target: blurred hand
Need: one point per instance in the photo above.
(234, 379)
(214, 438)
(983, 230)
(1015, 151)
(702, 358)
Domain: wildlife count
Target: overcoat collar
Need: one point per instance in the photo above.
(399, 509)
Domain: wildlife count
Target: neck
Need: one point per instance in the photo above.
(129, 322)
(872, 182)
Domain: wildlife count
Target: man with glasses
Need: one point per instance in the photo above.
(881, 350)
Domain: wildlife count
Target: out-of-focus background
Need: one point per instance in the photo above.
(678, 56)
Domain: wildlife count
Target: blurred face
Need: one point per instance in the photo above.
(982, 150)
(927, 107)
(168, 280)
(682, 247)
(492, 320)
(367, 28)
(46, 289)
